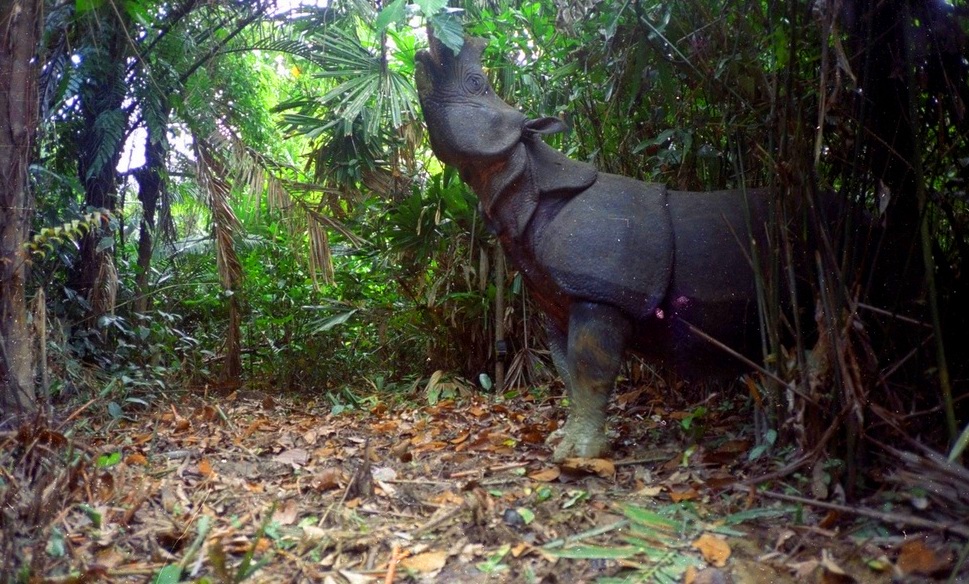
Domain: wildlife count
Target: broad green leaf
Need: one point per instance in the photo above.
(392, 14)
(447, 29)
(431, 7)
(137, 11)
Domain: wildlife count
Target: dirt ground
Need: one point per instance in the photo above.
(267, 488)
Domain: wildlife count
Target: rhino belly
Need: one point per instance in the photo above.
(612, 243)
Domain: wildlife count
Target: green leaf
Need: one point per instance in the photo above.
(109, 459)
(170, 574)
(335, 320)
(109, 133)
(593, 552)
(960, 445)
(649, 518)
(93, 514)
(759, 513)
(447, 29)
(392, 14)
(757, 451)
(485, 382)
(430, 8)
(575, 498)
(137, 11)
(56, 547)
(543, 493)
(82, 6)
(493, 564)
(526, 514)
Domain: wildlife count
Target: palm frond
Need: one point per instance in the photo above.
(210, 174)
(321, 259)
(109, 133)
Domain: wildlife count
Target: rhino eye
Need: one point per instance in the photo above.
(475, 83)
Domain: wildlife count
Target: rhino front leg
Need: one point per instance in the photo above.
(597, 339)
(558, 347)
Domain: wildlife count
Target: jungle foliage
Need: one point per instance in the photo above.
(288, 227)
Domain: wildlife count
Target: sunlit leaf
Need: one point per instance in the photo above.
(447, 29)
(391, 14)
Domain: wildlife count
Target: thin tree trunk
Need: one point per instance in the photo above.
(19, 34)
(150, 186)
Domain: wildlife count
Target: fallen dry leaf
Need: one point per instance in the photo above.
(715, 550)
(205, 467)
(287, 513)
(426, 562)
(684, 495)
(294, 456)
(546, 475)
(705, 576)
(915, 557)
(326, 479)
(598, 466)
(136, 458)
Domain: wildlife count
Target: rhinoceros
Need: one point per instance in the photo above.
(616, 264)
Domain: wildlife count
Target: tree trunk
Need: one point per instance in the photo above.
(19, 34)
(100, 145)
(150, 186)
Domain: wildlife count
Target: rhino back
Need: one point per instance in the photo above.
(612, 243)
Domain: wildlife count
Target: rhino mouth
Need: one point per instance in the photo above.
(423, 74)
(431, 65)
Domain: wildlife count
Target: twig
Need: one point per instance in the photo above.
(74, 414)
(497, 468)
(436, 519)
(958, 529)
(895, 315)
(395, 557)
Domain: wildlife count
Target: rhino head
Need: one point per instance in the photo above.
(467, 122)
(496, 148)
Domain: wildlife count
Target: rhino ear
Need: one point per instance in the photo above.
(545, 126)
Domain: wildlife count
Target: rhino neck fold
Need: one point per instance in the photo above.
(510, 190)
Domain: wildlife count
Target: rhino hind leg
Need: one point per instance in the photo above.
(596, 341)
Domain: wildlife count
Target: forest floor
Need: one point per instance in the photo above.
(256, 487)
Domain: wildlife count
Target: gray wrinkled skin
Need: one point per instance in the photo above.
(616, 264)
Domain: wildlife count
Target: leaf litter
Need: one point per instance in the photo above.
(257, 488)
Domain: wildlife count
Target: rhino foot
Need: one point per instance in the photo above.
(576, 440)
